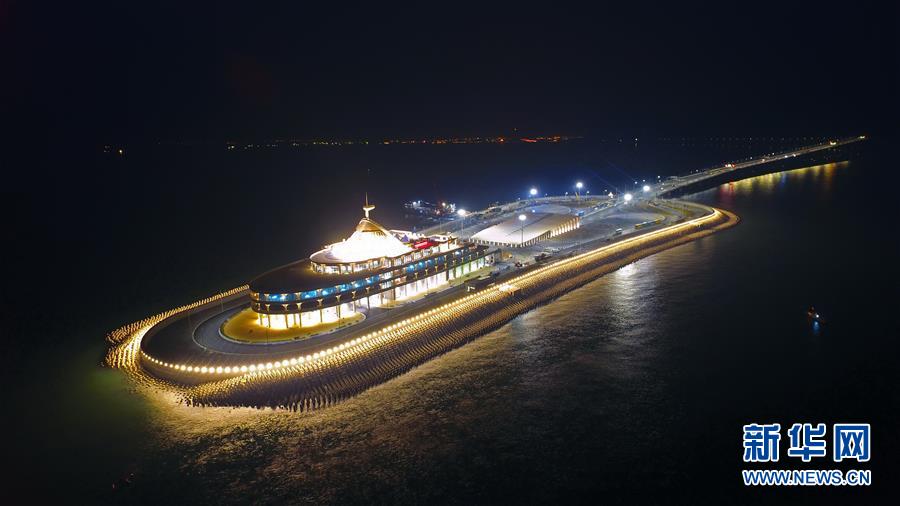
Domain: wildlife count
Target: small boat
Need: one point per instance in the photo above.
(814, 315)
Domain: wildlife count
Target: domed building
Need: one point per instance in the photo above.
(373, 267)
(365, 249)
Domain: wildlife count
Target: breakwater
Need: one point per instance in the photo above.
(352, 367)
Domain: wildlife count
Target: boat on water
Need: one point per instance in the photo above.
(814, 315)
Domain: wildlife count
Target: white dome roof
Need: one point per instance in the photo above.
(370, 240)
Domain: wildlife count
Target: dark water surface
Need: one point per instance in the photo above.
(630, 389)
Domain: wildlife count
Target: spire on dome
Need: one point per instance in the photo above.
(368, 207)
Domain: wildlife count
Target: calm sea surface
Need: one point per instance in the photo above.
(632, 388)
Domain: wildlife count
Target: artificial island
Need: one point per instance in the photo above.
(342, 283)
(382, 301)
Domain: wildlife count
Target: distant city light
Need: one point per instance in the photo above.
(628, 197)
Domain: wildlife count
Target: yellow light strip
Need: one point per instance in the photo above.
(458, 304)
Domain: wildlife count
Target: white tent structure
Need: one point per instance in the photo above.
(536, 227)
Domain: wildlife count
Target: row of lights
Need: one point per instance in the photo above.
(629, 196)
(302, 359)
(375, 341)
(397, 331)
(126, 353)
(217, 389)
(306, 359)
(696, 221)
(121, 333)
(534, 191)
(646, 188)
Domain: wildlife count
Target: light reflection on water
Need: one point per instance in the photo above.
(820, 176)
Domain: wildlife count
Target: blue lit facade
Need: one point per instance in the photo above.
(371, 268)
(361, 291)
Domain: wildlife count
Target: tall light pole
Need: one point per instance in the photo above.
(533, 192)
(578, 187)
(462, 220)
(522, 218)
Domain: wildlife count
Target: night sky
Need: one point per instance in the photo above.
(129, 72)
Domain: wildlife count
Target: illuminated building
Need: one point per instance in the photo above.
(371, 268)
(527, 229)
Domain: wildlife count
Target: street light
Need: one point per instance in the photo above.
(533, 192)
(646, 188)
(522, 218)
(462, 219)
(628, 197)
(578, 186)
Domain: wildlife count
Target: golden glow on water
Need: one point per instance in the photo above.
(126, 353)
(767, 184)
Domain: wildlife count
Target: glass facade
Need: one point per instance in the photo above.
(387, 279)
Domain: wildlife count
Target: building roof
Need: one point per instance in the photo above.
(299, 277)
(516, 231)
(369, 240)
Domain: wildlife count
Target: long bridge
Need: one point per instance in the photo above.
(679, 182)
(670, 187)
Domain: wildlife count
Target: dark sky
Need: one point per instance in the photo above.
(145, 71)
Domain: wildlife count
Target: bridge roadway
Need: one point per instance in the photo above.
(681, 181)
(457, 225)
